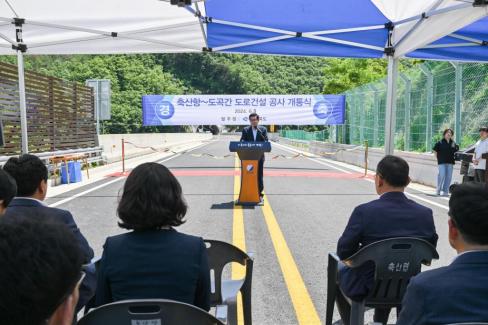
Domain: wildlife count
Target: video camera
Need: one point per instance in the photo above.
(467, 169)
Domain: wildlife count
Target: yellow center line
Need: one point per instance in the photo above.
(302, 303)
(238, 237)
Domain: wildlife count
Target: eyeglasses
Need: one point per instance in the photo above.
(82, 277)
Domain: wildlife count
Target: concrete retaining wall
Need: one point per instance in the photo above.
(423, 166)
(139, 143)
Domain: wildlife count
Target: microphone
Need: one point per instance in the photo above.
(260, 132)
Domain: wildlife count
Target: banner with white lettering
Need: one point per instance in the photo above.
(235, 109)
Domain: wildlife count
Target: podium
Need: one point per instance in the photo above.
(249, 153)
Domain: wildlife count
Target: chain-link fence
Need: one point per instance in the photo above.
(303, 135)
(430, 98)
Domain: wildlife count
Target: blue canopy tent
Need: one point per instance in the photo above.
(454, 30)
(354, 29)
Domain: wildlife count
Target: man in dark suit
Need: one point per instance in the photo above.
(31, 176)
(392, 215)
(456, 293)
(41, 272)
(257, 133)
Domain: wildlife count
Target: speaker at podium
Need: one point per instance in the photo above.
(249, 153)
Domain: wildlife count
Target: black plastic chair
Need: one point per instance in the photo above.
(472, 323)
(225, 292)
(396, 261)
(154, 312)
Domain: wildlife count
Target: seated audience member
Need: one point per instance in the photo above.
(457, 293)
(392, 215)
(8, 189)
(31, 176)
(40, 274)
(153, 260)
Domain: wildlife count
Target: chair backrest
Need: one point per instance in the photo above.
(396, 261)
(219, 255)
(148, 312)
(475, 323)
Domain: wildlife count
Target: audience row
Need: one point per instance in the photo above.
(48, 276)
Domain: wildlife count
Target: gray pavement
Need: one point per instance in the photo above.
(312, 202)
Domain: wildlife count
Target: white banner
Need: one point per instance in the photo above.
(235, 109)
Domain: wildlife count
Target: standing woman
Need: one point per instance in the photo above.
(444, 151)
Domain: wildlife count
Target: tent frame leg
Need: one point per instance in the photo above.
(21, 48)
(22, 102)
(390, 113)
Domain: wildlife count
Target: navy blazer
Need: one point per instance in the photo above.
(456, 293)
(261, 136)
(158, 264)
(392, 215)
(33, 209)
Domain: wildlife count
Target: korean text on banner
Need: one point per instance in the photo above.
(235, 109)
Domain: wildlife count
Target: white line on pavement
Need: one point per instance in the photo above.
(68, 199)
(419, 198)
(63, 201)
(312, 159)
(366, 179)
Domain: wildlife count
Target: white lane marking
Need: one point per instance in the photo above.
(312, 159)
(372, 181)
(84, 192)
(68, 199)
(419, 198)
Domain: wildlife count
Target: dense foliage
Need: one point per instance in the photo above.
(135, 75)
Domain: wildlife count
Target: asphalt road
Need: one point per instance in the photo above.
(308, 203)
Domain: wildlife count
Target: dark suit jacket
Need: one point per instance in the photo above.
(457, 293)
(261, 136)
(392, 215)
(33, 209)
(158, 264)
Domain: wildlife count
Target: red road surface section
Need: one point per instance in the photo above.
(267, 173)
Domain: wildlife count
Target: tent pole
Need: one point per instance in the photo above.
(22, 102)
(390, 113)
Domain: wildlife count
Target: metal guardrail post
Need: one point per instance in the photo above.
(408, 107)
(361, 117)
(376, 115)
(366, 153)
(458, 100)
(430, 104)
(123, 156)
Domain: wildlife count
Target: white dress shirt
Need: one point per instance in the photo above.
(30, 198)
(481, 148)
(254, 133)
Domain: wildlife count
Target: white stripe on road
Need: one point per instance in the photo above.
(71, 198)
(85, 192)
(419, 198)
(312, 159)
(366, 179)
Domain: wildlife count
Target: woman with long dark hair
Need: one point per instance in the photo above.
(444, 151)
(153, 260)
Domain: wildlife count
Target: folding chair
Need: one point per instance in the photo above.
(225, 292)
(472, 323)
(396, 261)
(153, 312)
